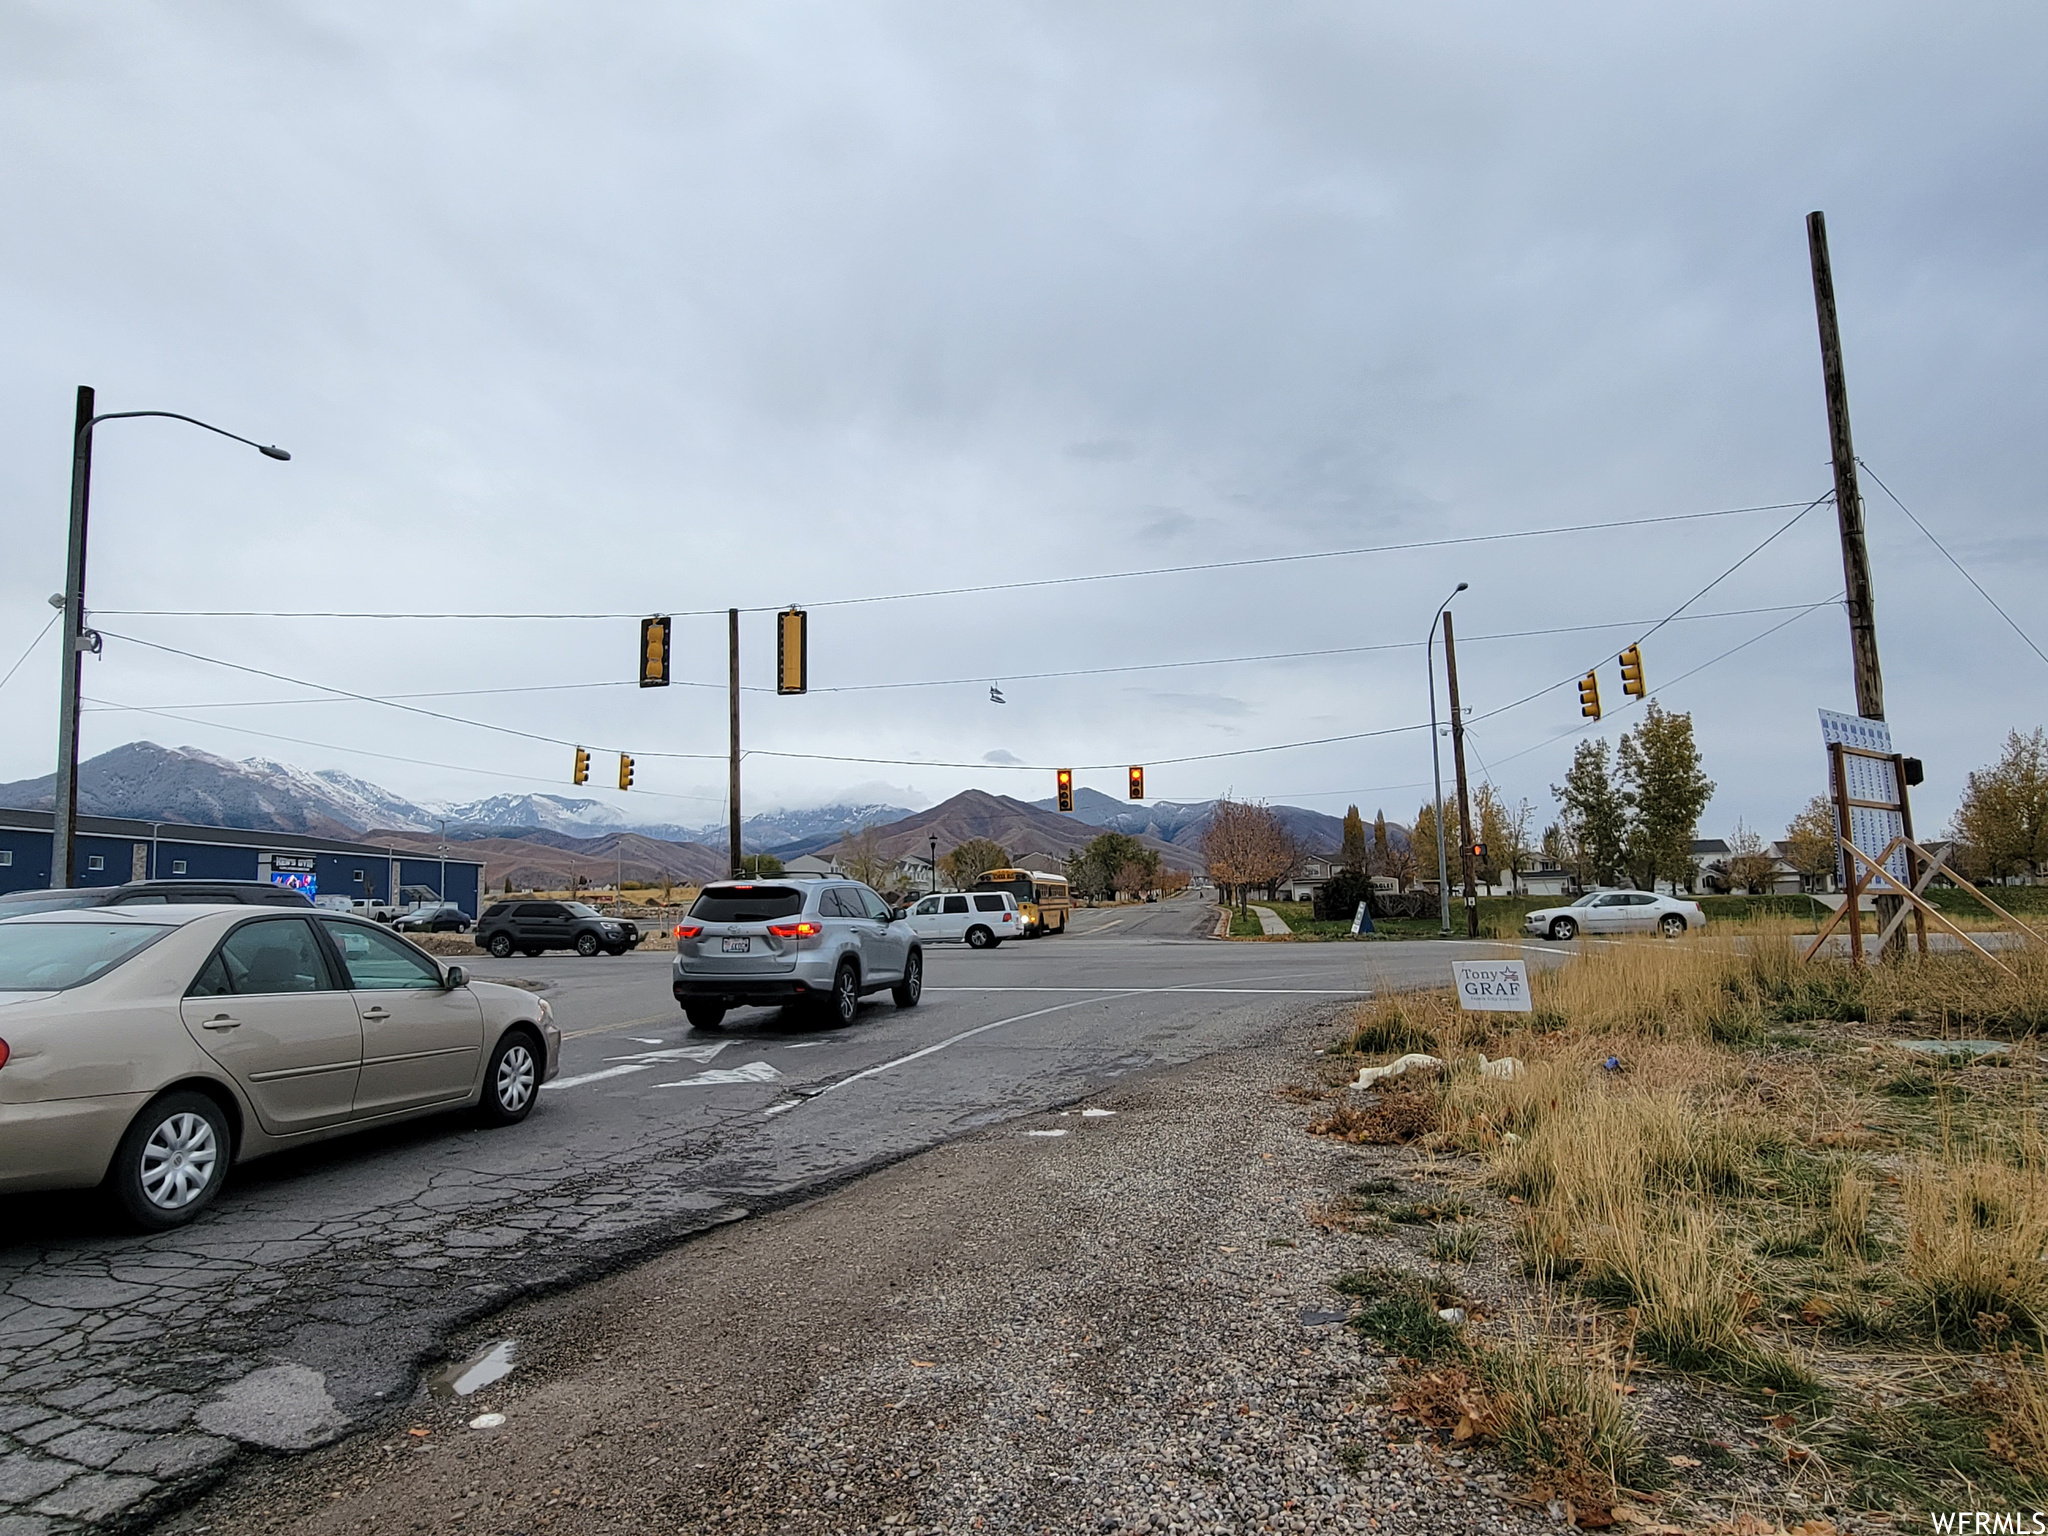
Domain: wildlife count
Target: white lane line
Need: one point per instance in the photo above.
(752, 1072)
(598, 1077)
(930, 1050)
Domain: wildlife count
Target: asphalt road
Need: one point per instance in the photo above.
(133, 1368)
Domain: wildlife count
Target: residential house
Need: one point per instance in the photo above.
(808, 866)
(1303, 884)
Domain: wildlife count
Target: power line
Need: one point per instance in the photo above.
(1952, 560)
(4, 681)
(1025, 677)
(1003, 586)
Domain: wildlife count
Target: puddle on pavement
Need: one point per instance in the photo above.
(459, 1378)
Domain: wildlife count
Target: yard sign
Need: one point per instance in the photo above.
(1492, 986)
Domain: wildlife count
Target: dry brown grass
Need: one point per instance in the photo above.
(1976, 1231)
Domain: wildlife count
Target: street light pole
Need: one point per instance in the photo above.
(1436, 760)
(935, 864)
(444, 860)
(77, 638)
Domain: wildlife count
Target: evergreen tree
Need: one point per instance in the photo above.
(1666, 792)
(1382, 850)
(1593, 814)
(1353, 855)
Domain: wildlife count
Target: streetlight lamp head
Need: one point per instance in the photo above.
(270, 452)
(1460, 587)
(57, 601)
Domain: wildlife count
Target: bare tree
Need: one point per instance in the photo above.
(1246, 845)
(863, 859)
(1750, 865)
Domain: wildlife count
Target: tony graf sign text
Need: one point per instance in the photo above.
(1492, 986)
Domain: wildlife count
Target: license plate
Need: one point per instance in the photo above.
(736, 946)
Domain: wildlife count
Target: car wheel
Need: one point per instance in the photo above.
(586, 944)
(979, 938)
(843, 1005)
(1672, 925)
(512, 1080)
(172, 1162)
(500, 946)
(907, 991)
(704, 1015)
(1563, 928)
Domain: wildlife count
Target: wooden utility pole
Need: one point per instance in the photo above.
(1458, 761)
(732, 645)
(1848, 499)
(1849, 517)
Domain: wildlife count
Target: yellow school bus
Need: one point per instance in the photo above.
(1045, 900)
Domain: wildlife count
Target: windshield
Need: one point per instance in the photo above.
(17, 903)
(49, 957)
(580, 909)
(1589, 898)
(747, 903)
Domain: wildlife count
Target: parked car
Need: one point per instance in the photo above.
(829, 942)
(146, 1049)
(442, 917)
(255, 893)
(978, 919)
(1616, 912)
(533, 926)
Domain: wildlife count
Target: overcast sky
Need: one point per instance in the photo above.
(642, 309)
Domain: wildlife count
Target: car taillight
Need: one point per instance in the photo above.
(795, 930)
(3, 1053)
(688, 930)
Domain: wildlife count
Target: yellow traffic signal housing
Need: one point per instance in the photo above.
(1137, 782)
(625, 770)
(1632, 672)
(582, 766)
(1479, 853)
(1589, 696)
(1066, 784)
(654, 634)
(792, 650)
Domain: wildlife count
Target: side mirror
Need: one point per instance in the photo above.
(898, 914)
(454, 977)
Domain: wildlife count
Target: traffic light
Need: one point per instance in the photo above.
(1589, 696)
(1632, 672)
(1137, 783)
(792, 650)
(625, 770)
(1066, 783)
(654, 652)
(1479, 853)
(582, 766)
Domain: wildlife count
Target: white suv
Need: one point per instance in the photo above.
(978, 919)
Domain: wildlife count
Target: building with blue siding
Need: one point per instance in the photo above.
(113, 851)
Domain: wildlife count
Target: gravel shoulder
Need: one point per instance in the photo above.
(1116, 1317)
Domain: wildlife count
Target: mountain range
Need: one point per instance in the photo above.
(537, 839)
(147, 782)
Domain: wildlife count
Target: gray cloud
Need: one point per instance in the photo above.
(675, 310)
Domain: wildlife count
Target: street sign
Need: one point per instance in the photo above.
(1492, 986)
(1866, 778)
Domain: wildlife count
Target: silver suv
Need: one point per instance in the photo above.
(793, 943)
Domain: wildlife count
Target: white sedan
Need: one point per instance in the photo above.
(1616, 912)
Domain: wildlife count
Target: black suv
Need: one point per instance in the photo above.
(180, 893)
(532, 926)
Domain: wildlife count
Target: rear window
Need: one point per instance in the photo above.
(49, 957)
(747, 903)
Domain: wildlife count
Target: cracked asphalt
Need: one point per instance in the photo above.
(134, 1369)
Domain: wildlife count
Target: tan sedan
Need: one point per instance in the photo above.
(145, 1049)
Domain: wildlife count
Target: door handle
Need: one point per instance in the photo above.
(220, 1021)
(372, 1014)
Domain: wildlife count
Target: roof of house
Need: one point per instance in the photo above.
(1710, 845)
